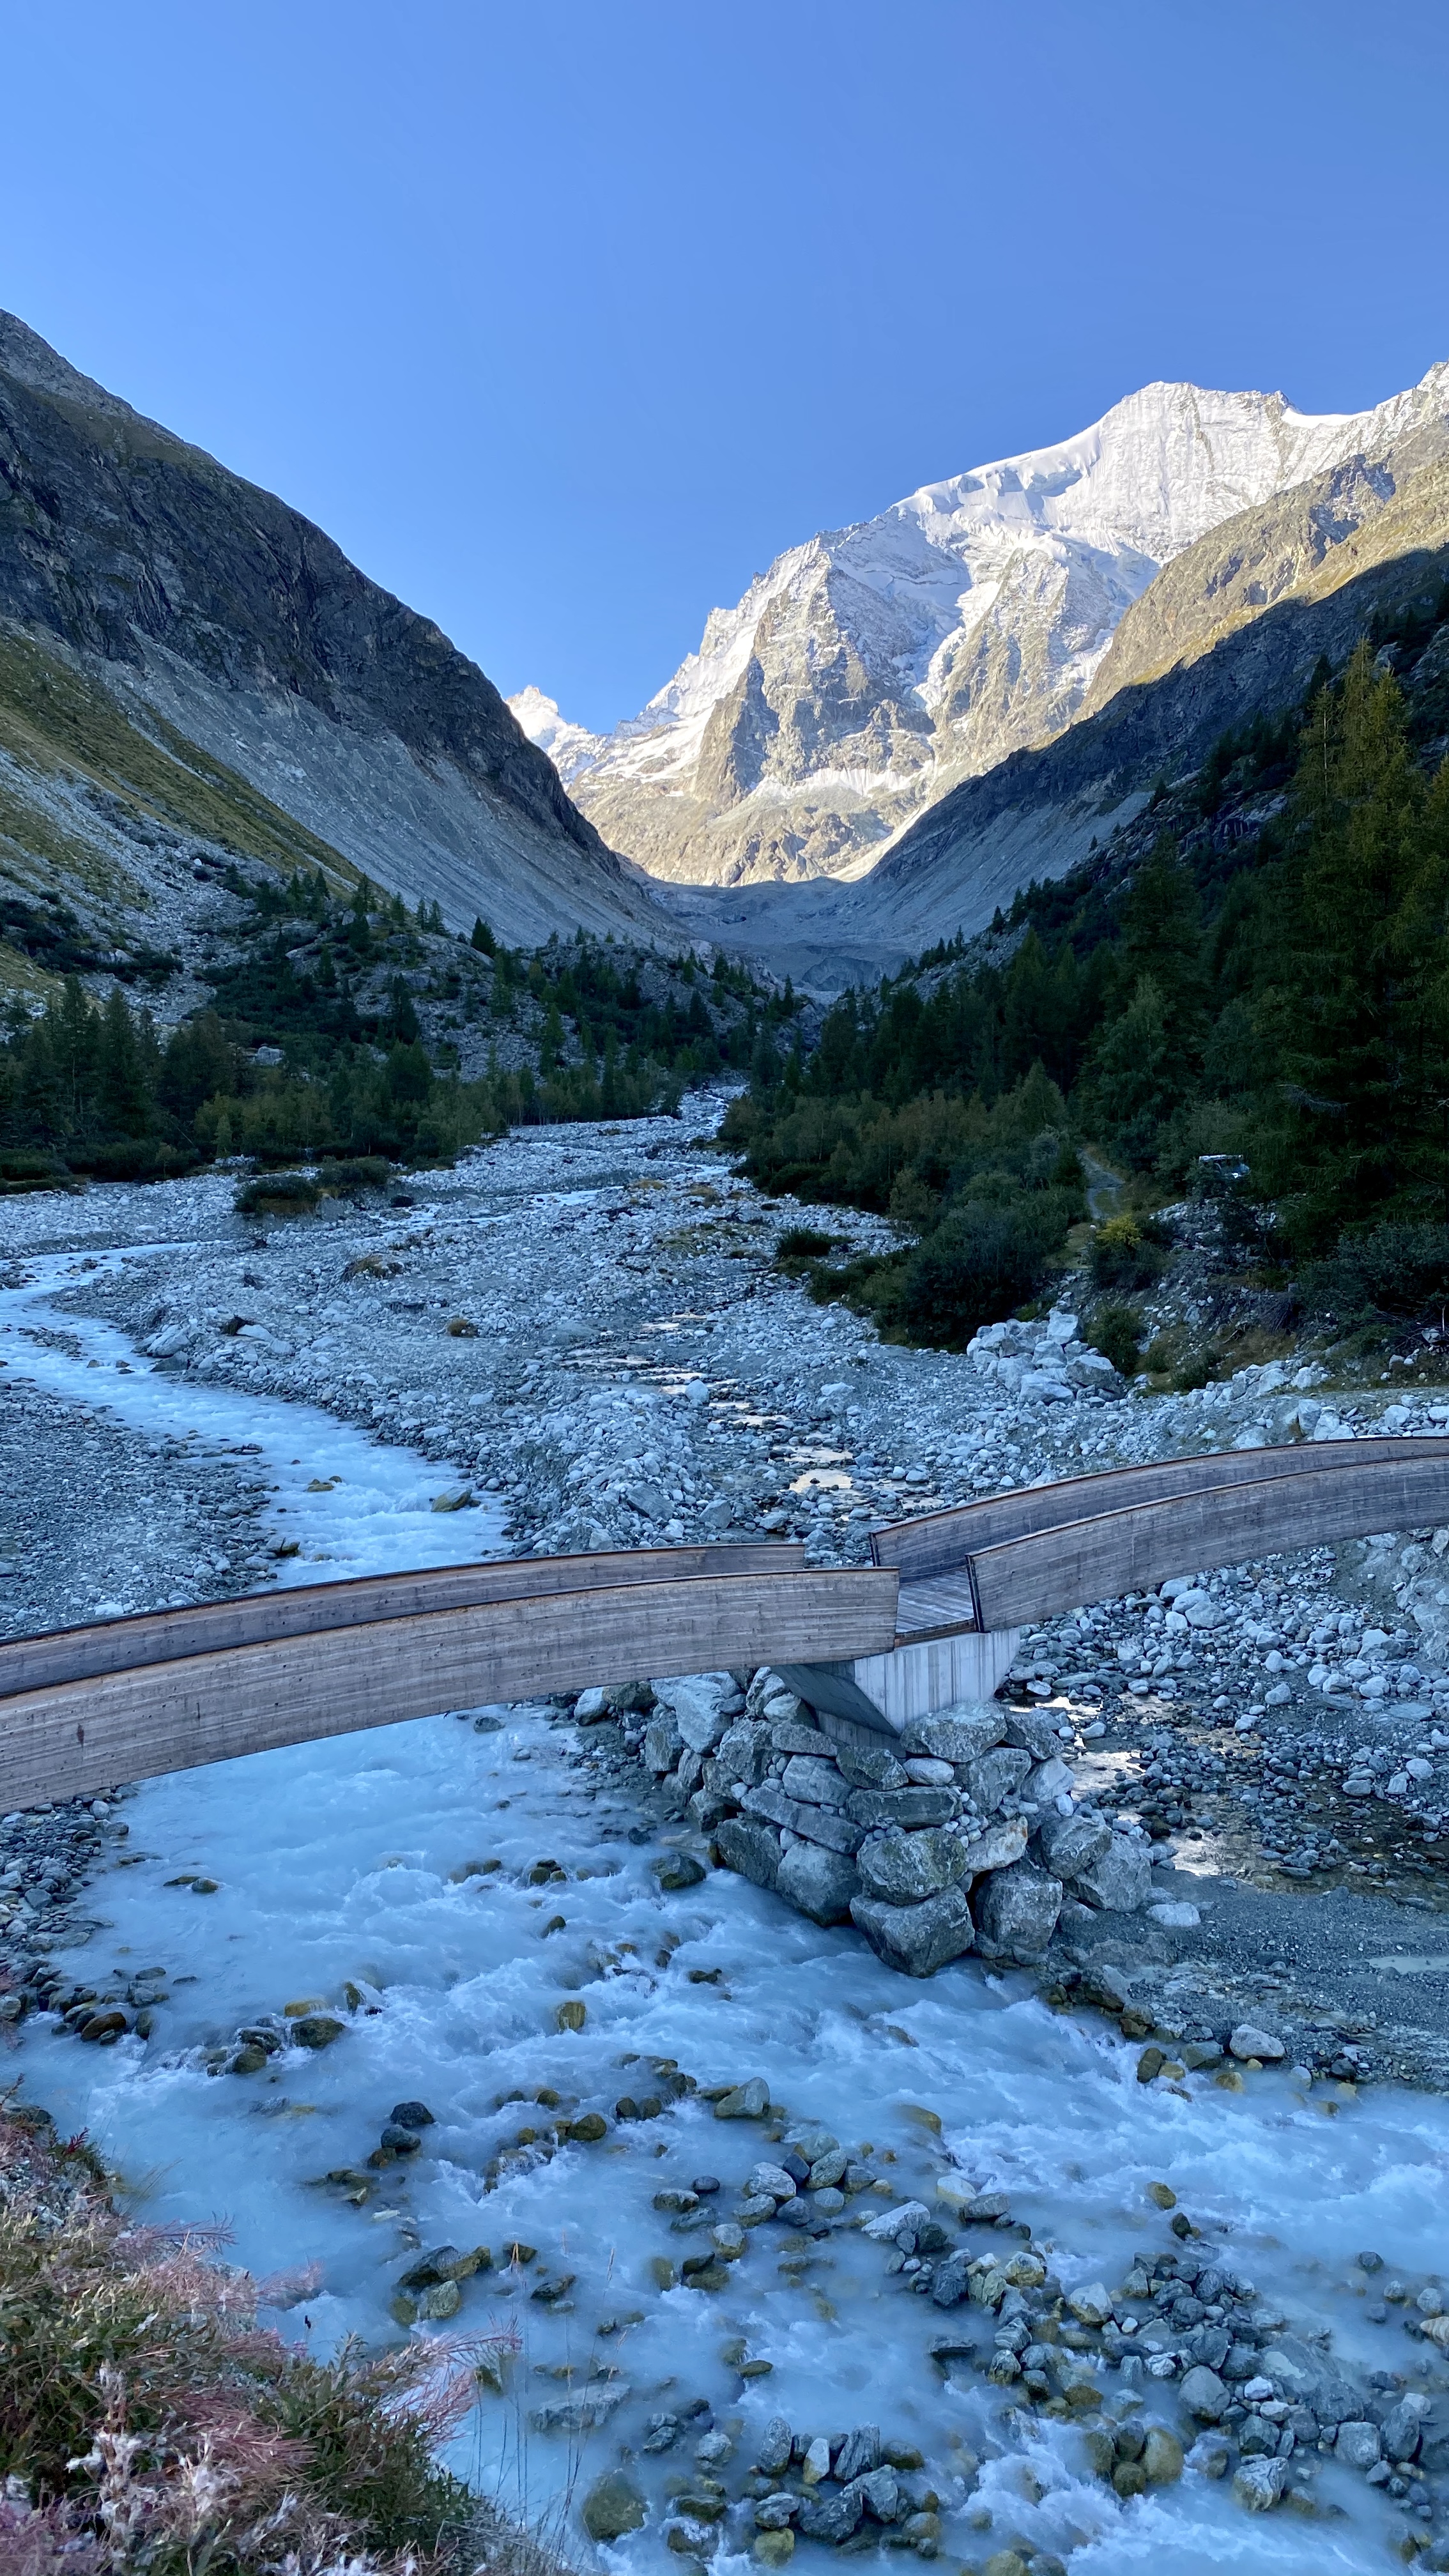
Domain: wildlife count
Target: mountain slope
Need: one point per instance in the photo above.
(216, 617)
(1039, 813)
(869, 670)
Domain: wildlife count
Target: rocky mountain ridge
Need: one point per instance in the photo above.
(872, 669)
(160, 615)
(1041, 813)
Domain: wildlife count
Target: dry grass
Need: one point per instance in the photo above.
(148, 2423)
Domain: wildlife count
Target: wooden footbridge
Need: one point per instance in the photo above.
(935, 1618)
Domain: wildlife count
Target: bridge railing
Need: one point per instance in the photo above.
(935, 1618)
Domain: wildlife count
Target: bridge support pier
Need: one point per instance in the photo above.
(884, 1694)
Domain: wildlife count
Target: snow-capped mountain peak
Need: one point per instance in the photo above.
(873, 666)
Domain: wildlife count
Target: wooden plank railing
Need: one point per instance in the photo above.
(73, 1737)
(255, 1618)
(1098, 1559)
(85, 1707)
(942, 1542)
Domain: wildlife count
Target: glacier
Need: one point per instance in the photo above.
(872, 667)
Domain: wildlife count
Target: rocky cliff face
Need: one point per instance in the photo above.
(205, 604)
(869, 671)
(1040, 812)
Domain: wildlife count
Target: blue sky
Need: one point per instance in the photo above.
(564, 320)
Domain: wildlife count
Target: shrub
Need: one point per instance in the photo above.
(150, 2427)
(1116, 1331)
(1122, 1255)
(359, 1172)
(1396, 1270)
(803, 1243)
(278, 1194)
(976, 1267)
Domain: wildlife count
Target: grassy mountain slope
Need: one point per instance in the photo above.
(234, 633)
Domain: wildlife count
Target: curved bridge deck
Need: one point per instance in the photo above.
(935, 1618)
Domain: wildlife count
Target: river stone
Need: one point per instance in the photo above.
(903, 1869)
(833, 2518)
(748, 1845)
(676, 1870)
(1248, 2041)
(1259, 2484)
(1162, 2457)
(612, 2506)
(1120, 1882)
(773, 2455)
(774, 2548)
(1403, 2427)
(858, 2454)
(993, 1776)
(951, 2280)
(1073, 1843)
(1358, 2445)
(917, 1939)
(1204, 2395)
(749, 2101)
(820, 1883)
(316, 2030)
(1016, 1912)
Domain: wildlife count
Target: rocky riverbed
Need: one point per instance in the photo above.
(579, 1339)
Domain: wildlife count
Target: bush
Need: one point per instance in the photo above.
(977, 1267)
(803, 1243)
(360, 1172)
(1116, 1331)
(1399, 1271)
(150, 2427)
(1122, 1254)
(23, 1171)
(278, 1194)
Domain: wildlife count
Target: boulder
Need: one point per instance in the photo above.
(1034, 1732)
(742, 1754)
(703, 1705)
(1016, 1911)
(1073, 1843)
(916, 1939)
(870, 1766)
(1204, 2394)
(1120, 1882)
(663, 1743)
(993, 1776)
(612, 2506)
(1047, 1781)
(913, 1805)
(748, 1845)
(959, 1733)
(904, 1869)
(997, 1847)
(819, 1783)
(820, 1883)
